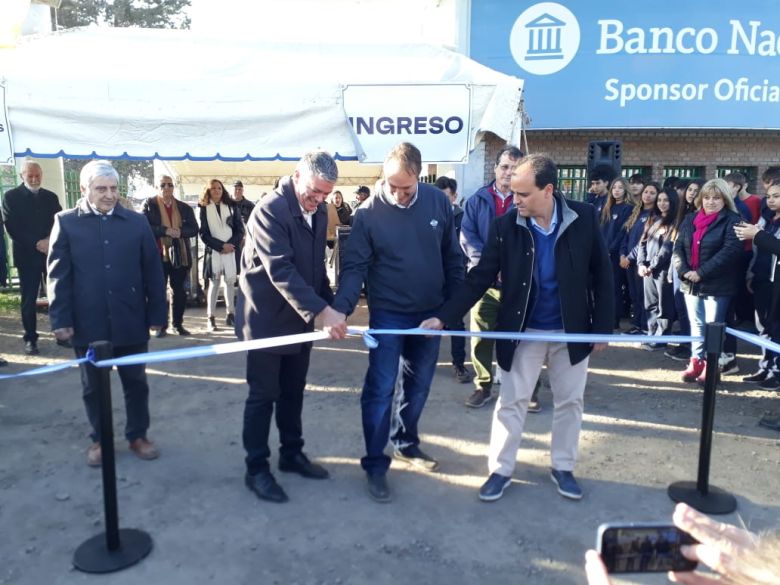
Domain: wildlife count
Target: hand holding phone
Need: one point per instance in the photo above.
(643, 548)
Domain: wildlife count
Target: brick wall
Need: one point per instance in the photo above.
(657, 148)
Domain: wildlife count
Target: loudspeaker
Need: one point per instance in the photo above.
(607, 153)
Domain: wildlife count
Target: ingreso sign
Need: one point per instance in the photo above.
(608, 64)
(435, 118)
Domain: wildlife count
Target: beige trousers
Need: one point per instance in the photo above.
(567, 383)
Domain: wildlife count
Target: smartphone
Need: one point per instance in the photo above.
(648, 547)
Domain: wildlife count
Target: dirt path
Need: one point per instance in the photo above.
(639, 435)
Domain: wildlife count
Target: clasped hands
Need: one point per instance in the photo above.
(333, 322)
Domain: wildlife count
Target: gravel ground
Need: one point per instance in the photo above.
(640, 433)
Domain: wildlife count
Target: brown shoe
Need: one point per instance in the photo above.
(94, 455)
(144, 449)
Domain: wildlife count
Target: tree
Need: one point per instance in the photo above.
(120, 13)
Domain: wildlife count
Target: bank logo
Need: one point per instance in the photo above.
(545, 38)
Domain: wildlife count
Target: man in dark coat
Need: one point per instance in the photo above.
(29, 212)
(556, 278)
(282, 288)
(173, 224)
(106, 283)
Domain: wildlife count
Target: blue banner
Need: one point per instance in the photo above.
(660, 64)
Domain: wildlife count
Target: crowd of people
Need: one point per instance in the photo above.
(687, 252)
(682, 252)
(656, 254)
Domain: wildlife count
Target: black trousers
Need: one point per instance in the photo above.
(134, 386)
(175, 277)
(30, 278)
(274, 380)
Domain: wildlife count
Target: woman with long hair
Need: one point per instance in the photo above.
(705, 256)
(654, 258)
(221, 230)
(635, 227)
(682, 352)
(614, 214)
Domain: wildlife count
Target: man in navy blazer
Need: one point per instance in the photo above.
(106, 284)
(283, 286)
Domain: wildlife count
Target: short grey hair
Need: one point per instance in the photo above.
(27, 163)
(318, 163)
(94, 169)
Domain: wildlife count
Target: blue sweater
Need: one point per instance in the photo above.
(409, 257)
(546, 313)
(613, 231)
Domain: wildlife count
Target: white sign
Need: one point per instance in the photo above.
(435, 118)
(6, 146)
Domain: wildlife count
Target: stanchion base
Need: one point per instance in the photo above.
(93, 556)
(716, 501)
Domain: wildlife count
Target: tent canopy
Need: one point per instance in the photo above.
(177, 95)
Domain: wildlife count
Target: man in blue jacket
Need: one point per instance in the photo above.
(283, 286)
(479, 211)
(403, 245)
(106, 284)
(556, 278)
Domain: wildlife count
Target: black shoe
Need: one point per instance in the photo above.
(770, 421)
(230, 320)
(494, 487)
(680, 353)
(771, 383)
(378, 488)
(299, 463)
(65, 343)
(31, 348)
(462, 375)
(759, 376)
(211, 324)
(3, 362)
(479, 398)
(161, 333)
(181, 330)
(415, 456)
(265, 487)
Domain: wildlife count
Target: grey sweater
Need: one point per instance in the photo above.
(409, 257)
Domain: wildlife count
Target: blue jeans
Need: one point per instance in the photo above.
(703, 310)
(419, 355)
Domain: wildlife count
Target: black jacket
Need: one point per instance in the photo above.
(771, 244)
(189, 227)
(283, 284)
(718, 256)
(583, 271)
(29, 217)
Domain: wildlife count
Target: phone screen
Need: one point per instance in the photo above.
(644, 548)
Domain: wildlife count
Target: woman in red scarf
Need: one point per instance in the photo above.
(705, 257)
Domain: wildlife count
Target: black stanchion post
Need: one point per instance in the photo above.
(701, 495)
(114, 549)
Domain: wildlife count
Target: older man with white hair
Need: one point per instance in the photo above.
(29, 212)
(106, 283)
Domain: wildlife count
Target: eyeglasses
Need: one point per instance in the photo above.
(164, 185)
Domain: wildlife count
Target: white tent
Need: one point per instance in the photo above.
(175, 95)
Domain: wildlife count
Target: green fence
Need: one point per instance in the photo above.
(573, 181)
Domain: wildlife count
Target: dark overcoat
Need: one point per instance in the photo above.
(28, 218)
(283, 284)
(105, 276)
